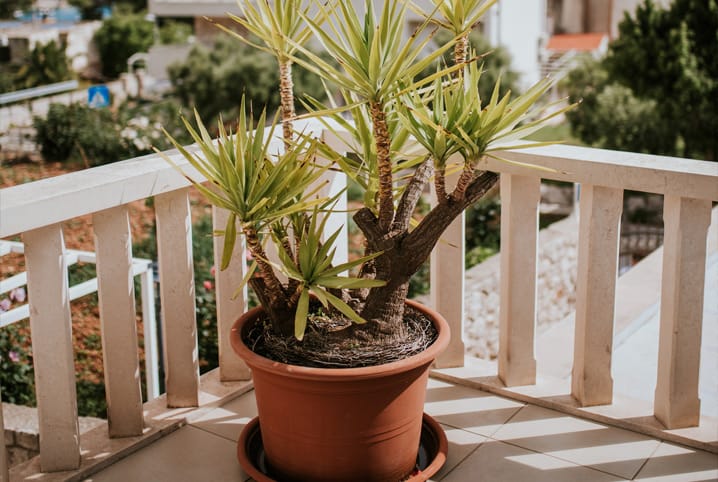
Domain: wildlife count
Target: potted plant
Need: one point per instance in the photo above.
(340, 362)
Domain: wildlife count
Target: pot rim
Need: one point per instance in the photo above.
(426, 357)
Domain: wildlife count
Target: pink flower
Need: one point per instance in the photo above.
(18, 294)
(213, 271)
(14, 356)
(5, 304)
(207, 285)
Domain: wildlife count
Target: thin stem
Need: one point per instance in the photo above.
(286, 94)
(274, 286)
(467, 175)
(440, 184)
(461, 52)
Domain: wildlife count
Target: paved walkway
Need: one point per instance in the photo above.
(490, 439)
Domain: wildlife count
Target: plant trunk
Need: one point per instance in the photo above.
(384, 306)
(268, 288)
(383, 159)
(286, 93)
(405, 252)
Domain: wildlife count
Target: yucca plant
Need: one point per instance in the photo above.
(459, 17)
(273, 196)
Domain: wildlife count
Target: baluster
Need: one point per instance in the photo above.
(177, 297)
(686, 223)
(116, 291)
(520, 196)
(51, 327)
(446, 267)
(231, 367)
(599, 233)
(149, 330)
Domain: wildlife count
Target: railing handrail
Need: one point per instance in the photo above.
(28, 206)
(619, 169)
(34, 92)
(25, 207)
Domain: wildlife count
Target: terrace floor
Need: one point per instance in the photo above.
(491, 438)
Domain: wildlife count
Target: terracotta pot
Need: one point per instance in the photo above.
(351, 424)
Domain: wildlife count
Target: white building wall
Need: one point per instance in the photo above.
(520, 27)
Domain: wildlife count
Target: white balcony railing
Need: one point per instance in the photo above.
(36, 211)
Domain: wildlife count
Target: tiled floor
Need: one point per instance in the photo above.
(490, 439)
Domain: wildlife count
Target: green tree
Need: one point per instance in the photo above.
(46, 64)
(670, 57)
(174, 32)
(214, 80)
(8, 7)
(118, 38)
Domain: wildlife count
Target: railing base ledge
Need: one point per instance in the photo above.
(555, 394)
(99, 451)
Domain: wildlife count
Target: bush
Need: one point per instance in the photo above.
(214, 80)
(175, 32)
(483, 230)
(16, 372)
(119, 37)
(611, 116)
(79, 132)
(47, 64)
(99, 136)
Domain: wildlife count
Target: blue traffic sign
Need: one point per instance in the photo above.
(98, 96)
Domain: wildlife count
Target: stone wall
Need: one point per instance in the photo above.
(21, 435)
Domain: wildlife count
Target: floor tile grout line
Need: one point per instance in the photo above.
(211, 433)
(466, 457)
(645, 462)
(507, 442)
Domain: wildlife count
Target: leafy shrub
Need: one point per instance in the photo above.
(8, 7)
(100, 136)
(16, 372)
(214, 80)
(79, 132)
(47, 64)
(611, 116)
(175, 32)
(119, 37)
(483, 227)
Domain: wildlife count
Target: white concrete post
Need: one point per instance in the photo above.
(598, 240)
(4, 464)
(116, 291)
(177, 296)
(447, 288)
(686, 223)
(231, 367)
(149, 330)
(520, 196)
(51, 328)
